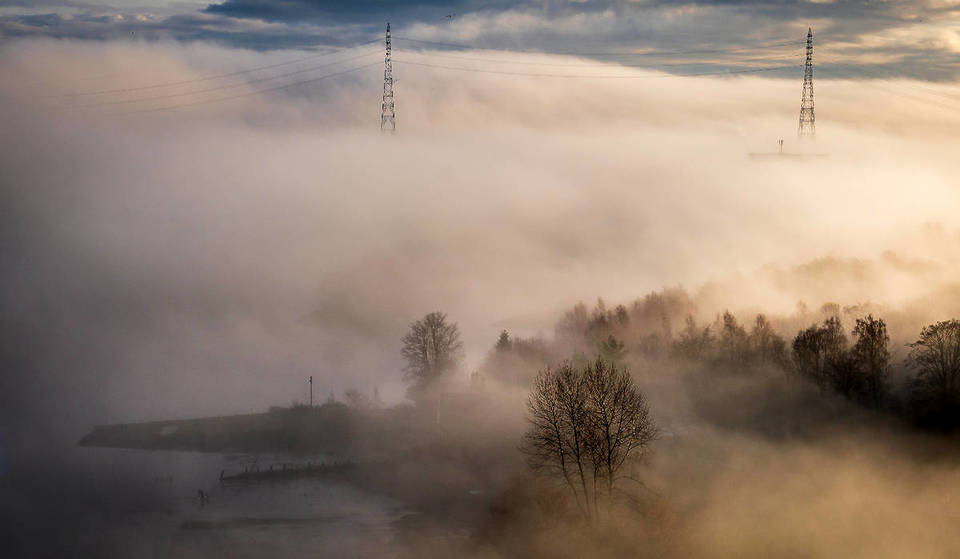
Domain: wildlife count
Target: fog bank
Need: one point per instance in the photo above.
(208, 259)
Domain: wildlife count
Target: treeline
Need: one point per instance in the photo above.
(660, 330)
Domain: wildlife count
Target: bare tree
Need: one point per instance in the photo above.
(872, 358)
(819, 351)
(585, 425)
(556, 441)
(620, 423)
(431, 348)
(936, 358)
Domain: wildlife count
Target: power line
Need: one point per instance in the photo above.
(215, 76)
(878, 75)
(897, 93)
(578, 65)
(222, 87)
(587, 76)
(588, 53)
(250, 93)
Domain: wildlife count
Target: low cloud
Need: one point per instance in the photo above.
(206, 260)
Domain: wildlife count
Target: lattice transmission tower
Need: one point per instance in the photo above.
(808, 121)
(387, 112)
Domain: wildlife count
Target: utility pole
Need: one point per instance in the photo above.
(808, 122)
(387, 112)
(311, 391)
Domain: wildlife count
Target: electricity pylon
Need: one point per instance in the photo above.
(808, 121)
(387, 111)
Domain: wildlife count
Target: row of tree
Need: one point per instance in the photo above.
(589, 422)
(860, 372)
(733, 346)
(855, 364)
(858, 369)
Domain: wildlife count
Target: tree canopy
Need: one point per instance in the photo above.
(431, 348)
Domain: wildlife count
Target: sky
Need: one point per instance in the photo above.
(912, 38)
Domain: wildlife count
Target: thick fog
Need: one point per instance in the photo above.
(208, 259)
(164, 262)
